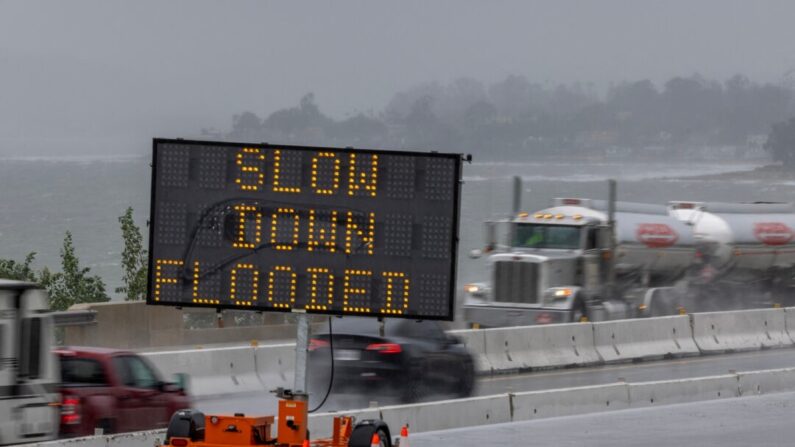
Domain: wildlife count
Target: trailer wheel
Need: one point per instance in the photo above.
(186, 424)
(363, 433)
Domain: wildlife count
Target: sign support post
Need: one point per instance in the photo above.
(611, 223)
(328, 231)
(301, 350)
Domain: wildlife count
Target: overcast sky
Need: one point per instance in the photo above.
(75, 75)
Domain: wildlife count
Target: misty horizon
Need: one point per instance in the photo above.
(104, 77)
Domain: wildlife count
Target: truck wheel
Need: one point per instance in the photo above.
(663, 304)
(579, 311)
(106, 425)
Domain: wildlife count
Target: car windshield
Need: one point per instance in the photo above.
(547, 236)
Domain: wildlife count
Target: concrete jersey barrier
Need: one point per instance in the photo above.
(445, 414)
(763, 382)
(667, 392)
(541, 347)
(275, 365)
(789, 322)
(569, 401)
(212, 371)
(475, 342)
(646, 339)
(740, 330)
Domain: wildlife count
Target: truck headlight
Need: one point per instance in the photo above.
(475, 289)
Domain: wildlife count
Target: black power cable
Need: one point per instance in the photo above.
(331, 379)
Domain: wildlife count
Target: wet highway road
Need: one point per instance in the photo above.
(758, 421)
(700, 366)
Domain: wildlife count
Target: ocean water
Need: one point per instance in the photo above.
(41, 198)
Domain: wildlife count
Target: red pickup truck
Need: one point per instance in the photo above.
(114, 390)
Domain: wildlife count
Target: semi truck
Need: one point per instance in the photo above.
(587, 259)
(29, 377)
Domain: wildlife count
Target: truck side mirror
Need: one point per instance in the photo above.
(490, 233)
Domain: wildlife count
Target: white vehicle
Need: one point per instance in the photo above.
(29, 400)
(588, 259)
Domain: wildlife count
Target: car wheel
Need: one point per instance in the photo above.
(410, 392)
(466, 383)
(411, 389)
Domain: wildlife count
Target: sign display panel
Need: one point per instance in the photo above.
(289, 228)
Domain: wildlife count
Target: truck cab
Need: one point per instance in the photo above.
(570, 263)
(551, 263)
(29, 401)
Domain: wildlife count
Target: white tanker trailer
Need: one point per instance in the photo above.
(572, 261)
(746, 250)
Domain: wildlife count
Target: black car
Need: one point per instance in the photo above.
(413, 360)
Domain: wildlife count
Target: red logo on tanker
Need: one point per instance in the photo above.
(773, 233)
(656, 235)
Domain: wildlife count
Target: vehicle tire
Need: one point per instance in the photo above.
(411, 388)
(186, 423)
(410, 392)
(107, 426)
(363, 433)
(579, 311)
(664, 303)
(466, 383)
(384, 438)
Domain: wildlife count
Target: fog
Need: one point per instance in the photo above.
(104, 77)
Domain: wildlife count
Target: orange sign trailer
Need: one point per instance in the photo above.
(240, 430)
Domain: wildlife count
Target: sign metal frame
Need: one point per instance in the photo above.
(454, 239)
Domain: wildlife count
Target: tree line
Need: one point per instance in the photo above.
(75, 284)
(516, 118)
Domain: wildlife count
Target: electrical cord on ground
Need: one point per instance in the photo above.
(331, 378)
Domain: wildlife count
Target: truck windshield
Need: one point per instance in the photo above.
(547, 236)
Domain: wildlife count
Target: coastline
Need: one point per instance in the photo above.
(771, 173)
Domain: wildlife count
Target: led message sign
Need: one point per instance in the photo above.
(288, 228)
